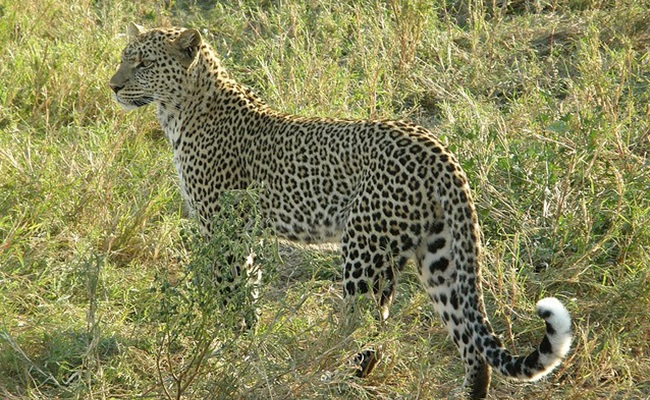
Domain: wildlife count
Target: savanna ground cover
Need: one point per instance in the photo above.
(104, 288)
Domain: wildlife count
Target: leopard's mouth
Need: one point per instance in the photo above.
(131, 104)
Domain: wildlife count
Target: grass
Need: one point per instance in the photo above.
(545, 103)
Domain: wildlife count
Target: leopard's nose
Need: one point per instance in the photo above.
(114, 87)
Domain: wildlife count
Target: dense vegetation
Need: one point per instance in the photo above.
(102, 284)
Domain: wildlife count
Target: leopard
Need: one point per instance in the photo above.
(388, 191)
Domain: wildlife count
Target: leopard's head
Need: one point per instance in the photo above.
(154, 65)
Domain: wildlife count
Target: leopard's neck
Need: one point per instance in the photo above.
(169, 118)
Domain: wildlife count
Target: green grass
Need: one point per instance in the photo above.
(545, 103)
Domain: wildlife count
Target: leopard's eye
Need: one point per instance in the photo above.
(144, 64)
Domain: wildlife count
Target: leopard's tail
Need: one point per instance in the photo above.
(549, 354)
(455, 286)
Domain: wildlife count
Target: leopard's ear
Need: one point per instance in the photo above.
(134, 30)
(187, 45)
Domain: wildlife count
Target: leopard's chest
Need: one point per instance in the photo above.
(179, 161)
